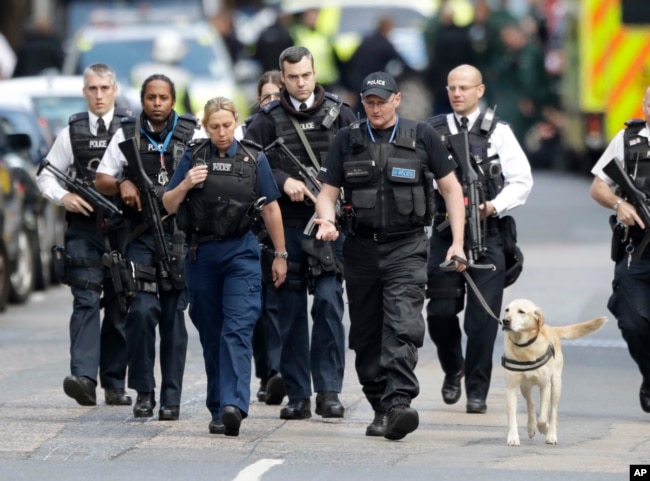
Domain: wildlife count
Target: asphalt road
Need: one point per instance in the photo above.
(602, 430)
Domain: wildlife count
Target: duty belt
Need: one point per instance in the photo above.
(386, 237)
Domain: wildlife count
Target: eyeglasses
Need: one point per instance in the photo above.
(380, 104)
(462, 88)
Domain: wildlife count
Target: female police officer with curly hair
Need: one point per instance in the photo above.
(219, 188)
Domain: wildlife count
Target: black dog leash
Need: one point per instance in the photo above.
(448, 266)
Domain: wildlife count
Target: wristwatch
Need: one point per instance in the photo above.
(283, 255)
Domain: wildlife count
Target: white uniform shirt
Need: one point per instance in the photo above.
(518, 178)
(615, 149)
(61, 157)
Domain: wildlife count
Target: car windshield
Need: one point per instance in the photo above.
(57, 110)
(123, 56)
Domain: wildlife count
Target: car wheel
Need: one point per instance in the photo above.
(4, 277)
(22, 278)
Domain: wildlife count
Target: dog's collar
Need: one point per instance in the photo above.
(512, 365)
(525, 344)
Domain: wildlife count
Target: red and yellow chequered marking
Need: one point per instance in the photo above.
(616, 65)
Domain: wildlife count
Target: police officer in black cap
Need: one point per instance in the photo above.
(77, 150)
(504, 174)
(386, 166)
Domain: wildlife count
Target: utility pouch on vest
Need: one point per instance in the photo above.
(321, 261)
(359, 171)
(122, 278)
(59, 264)
(618, 239)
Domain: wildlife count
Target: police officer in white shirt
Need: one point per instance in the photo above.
(77, 151)
(505, 176)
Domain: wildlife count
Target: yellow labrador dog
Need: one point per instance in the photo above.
(533, 357)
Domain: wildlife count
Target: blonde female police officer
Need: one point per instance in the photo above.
(218, 189)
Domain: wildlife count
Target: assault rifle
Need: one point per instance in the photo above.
(634, 195)
(150, 213)
(473, 193)
(81, 188)
(308, 175)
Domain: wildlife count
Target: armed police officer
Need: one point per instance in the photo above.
(505, 177)
(220, 188)
(386, 166)
(306, 119)
(152, 246)
(77, 151)
(629, 302)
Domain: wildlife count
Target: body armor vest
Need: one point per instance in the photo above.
(150, 156)
(386, 184)
(87, 148)
(224, 205)
(87, 151)
(319, 137)
(637, 154)
(488, 168)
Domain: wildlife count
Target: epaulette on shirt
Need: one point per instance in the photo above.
(270, 106)
(197, 142)
(77, 117)
(635, 123)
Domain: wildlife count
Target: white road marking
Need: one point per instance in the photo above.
(255, 471)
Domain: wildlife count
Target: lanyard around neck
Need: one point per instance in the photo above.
(392, 135)
(162, 148)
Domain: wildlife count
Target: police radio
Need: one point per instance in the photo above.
(332, 115)
(197, 163)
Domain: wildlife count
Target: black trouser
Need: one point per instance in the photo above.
(447, 301)
(385, 286)
(90, 345)
(630, 304)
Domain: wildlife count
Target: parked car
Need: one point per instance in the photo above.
(124, 39)
(54, 98)
(16, 116)
(5, 188)
(19, 226)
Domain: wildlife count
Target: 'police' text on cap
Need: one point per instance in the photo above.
(380, 84)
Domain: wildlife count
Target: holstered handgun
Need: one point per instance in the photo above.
(122, 277)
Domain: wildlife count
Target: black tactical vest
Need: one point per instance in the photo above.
(87, 148)
(87, 151)
(151, 163)
(319, 137)
(223, 205)
(488, 168)
(386, 183)
(637, 154)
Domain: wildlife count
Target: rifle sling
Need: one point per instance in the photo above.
(305, 142)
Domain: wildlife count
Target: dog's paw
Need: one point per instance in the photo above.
(543, 427)
(513, 440)
(551, 439)
(532, 429)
